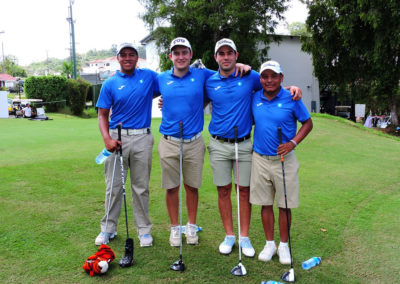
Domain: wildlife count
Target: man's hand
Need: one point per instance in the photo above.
(285, 148)
(160, 103)
(112, 145)
(242, 69)
(295, 92)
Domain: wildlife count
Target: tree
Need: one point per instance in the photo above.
(67, 69)
(356, 45)
(204, 22)
(11, 67)
(298, 29)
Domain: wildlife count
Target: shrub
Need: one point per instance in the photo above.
(76, 95)
(51, 89)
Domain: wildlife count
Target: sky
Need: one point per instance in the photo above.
(38, 29)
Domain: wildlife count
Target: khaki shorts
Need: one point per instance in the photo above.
(192, 163)
(223, 162)
(267, 180)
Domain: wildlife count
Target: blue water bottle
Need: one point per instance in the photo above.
(314, 261)
(271, 282)
(103, 156)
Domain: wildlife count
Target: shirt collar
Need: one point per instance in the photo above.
(278, 95)
(119, 73)
(187, 73)
(224, 77)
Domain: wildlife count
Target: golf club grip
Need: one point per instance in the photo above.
(180, 129)
(236, 133)
(119, 136)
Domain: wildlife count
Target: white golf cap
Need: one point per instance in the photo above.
(126, 45)
(271, 65)
(223, 42)
(180, 41)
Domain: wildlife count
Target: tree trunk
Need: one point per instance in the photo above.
(393, 110)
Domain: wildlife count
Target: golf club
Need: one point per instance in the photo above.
(289, 275)
(127, 260)
(179, 265)
(238, 270)
(106, 234)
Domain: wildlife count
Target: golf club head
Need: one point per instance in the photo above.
(178, 266)
(289, 276)
(127, 260)
(239, 270)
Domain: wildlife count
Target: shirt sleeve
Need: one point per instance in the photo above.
(105, 97)
(301, 111)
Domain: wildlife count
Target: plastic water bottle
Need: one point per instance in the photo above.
(103, 156)
(314, 261)
(271, 282)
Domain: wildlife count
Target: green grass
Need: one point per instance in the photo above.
(52, 199)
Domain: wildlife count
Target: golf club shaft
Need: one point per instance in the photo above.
(180, 185)
(284, 190)
(121, 160)
(237, 189)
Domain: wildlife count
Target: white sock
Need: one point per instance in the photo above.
(270, 242)
(283, 244)
(231, 236)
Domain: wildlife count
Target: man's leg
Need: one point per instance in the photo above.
(283, 225)
(268, 221)
(192, 200)
(140, 159)
(225, 208)
(172, 202)
(245, 210)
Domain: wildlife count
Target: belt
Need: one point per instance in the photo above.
(272, 158)
(172, 138)
(129, 131)
(231, 140)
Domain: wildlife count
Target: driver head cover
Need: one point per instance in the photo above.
(98, 263)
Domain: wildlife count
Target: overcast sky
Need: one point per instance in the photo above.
(37, 29)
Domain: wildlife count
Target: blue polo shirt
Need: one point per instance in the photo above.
(269, 114)
(129, 97)
(231, 103)
(183, 100)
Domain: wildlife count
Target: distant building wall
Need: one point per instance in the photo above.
(297, 68)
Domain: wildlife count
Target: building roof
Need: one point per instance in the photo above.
(6, 77)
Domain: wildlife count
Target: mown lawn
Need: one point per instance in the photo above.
(52, 198)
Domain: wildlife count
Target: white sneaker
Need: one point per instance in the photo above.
(226, 246)
(174, 237)
(191, 234)
(284, 254)
(247, 248)
(268, 252)
(146, 240)
(104, 238)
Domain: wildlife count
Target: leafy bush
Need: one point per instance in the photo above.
(76, 95)
(51, 89)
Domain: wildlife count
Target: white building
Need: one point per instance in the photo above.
(296, 64)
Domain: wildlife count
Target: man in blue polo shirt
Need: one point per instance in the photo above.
(231, 107)
(273, 107)
(182, 91)
(128, 97)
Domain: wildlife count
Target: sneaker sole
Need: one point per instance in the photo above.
(149, 245)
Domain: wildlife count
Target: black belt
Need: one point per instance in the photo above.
(231, 140)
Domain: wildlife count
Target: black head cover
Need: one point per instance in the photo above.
(127, 260)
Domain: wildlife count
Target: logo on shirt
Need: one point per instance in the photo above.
(192, 79)
(141, 81)
(122, 86)
(239, 84)
(217, 88)
(170, 82)
(259, 104)
(279, 105)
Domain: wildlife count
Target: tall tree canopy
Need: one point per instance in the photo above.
(356, 43)
(204, 22)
